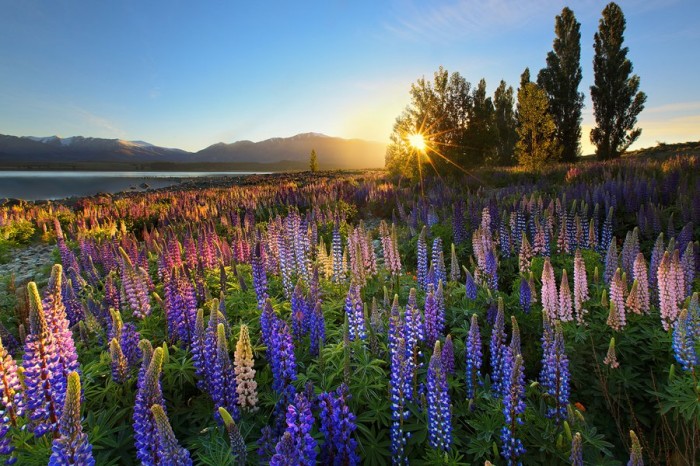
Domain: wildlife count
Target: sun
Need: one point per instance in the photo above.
(417, 141)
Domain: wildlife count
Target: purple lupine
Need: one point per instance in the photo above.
(73, 307)
(135, 282)
(399, 379)
(413, 333)
(555, 374)
(525, 295)
(12, 402)
(259, 276)
(513, 406)
(57, 322)
(148, 393)
(267, 320)
(395, 325)
(129, 343)
(299, 424)
(438, 398)
(337, 425)
(354, 309)
(282, 362)
(432, 333)
(611, 262)
(688, 266)
(576, 456)
(210, 339)
(474, 358)
(72, 445)
(422, 254)
(222, 383)
(438, 262)
(44, 377)
(497, 350)
(120, 366)
(657, 254)
(448, 356)
(470, 285)
(685, 341)
(317, 331)
(170, 453)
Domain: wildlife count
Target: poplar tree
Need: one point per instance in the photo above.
(560, 80)
(616, 97)
(504, 102)
(537, 142)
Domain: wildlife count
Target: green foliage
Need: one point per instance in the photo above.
(313, 161)
(617, 100)
(537, 144)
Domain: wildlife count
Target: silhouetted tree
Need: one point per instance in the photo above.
(616, 97)
(537, 142)
(506, 123)
(560, 80)
(482, 132)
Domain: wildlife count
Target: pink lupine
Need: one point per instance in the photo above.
(550, 300)
(525, 257)
(641, 276)
(617, 301)
(668, 298)
(678, 275)
(580, 287)
(565, 314)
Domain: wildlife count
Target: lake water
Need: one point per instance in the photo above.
(34, 185)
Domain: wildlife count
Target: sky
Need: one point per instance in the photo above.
(190, 74)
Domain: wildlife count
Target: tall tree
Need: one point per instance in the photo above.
(482, 133)
(313, 161)
(537, 142)
(504, 103)
(560, 80)
(616, 97)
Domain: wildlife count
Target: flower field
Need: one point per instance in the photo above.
(511, 317)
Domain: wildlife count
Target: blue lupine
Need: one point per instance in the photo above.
(684, 341)
(439, 415)
(491, 270)
(170, 453)
(120, 366)
(470, 285)
(72, 445)
(285, 452)
(431, 317)
(337, 251)
(282, 362)
(606, 234)
(497, 350)
(129, 342)
(448, 356)
(337, 425)
(474, 357)
(525, 295)
(222, 384)
(199, 358)
(259, 275)
(513, 407)
(438, 261)
(413, 333)
(395, 325)
(555, 379)
(317, 331)
(354, 309)
(300, 421)
(298, 302)
(148, 393)
(44, 377)
(422, 254)
(399, 379)
(611, 262)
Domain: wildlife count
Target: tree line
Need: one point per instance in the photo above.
(540, 122)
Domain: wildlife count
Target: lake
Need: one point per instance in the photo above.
(35, 185)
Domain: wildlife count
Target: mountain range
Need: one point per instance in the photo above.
(276, 154)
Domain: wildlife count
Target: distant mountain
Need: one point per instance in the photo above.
(332, 152)
(80, 152)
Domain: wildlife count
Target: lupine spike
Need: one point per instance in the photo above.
(170, 452)
(243, 363)
(72, 445)
(439, 415)
(474, 355)
(238, 447)
(636, 458)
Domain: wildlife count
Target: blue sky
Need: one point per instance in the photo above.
(189, 74)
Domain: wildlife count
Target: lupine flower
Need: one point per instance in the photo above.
(455, 271)
(422, 253)
(282, 362)
(413, 333)
(238, 448)
(611, 358)
(556, 376)
(299, 325)
(668, 292)
(12, 401)
(576, 456)
(135, 281)
(170, 453)
(148, 393)
(525, 256)
(630, 249)
(299, 424)
(337, 253)
(285, 452)
(72, 445)
(550, 298)
(636, 458)
(44, 377)
(317, 333)
(395, 330)
(513, 406)
(399, 379)
(448, 356)
(57, 322)
(640, 274)
(439, 415)
(243, 363)
(616, 318)
(120, 366)
(337, 425)
(259, 276)
(611, 262)
(354, 309)
(432, 333)
(222, 385)
(497, 350)
(606, 235)
(198, 348)
(565, 314)
(438, 261)
(684, 341)
(474, 355)
(525, 295)
(470, 285)
(688, 266)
